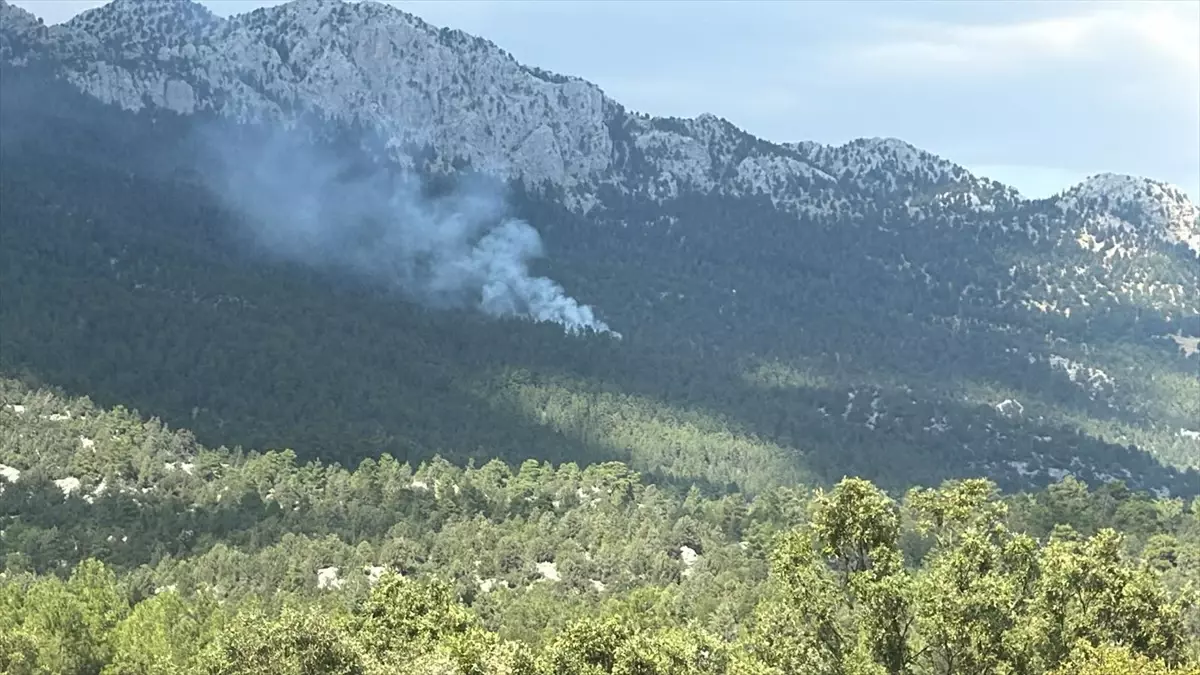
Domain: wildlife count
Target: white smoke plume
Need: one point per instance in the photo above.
(453, 250)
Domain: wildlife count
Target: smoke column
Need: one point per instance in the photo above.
(455, 250)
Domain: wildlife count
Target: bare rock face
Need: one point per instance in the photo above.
(470, 101)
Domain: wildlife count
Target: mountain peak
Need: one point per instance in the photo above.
(894, 166)
(18, 30)
(313, 14)
(11, 15)
(131, 26)
(467, 99)
(16, 23)
(102, 16)
(863, 155)
(1119, 185)
(1165, 210)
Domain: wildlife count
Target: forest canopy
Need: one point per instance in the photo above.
(149, 553)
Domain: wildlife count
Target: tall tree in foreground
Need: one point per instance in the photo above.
(983, 599)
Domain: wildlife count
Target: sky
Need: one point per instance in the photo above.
(1038, 95)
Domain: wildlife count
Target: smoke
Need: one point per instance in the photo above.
(454, 250)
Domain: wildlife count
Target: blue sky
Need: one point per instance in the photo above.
(1035, 94)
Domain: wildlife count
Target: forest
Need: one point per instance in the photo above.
(129, 547)
(122, 273)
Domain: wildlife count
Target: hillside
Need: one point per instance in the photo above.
(789, 312)
(130, 547)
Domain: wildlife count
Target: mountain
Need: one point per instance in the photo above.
(790, 312)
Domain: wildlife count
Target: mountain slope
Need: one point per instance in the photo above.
(791, 312)
(174, 555)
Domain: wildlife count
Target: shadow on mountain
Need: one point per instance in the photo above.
(129, 292)
(905, 447)
(847, 319)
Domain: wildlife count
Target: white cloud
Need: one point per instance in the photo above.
(1166, 35)
(978, 48)
(1038, 93)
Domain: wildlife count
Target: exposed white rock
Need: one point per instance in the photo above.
(1010, 407)
(96, 492)
(688, 555)
(68, 485)
(1093, 380)
(374, 572)
(1188, 345)
(1057, 473)
(421, 86)
(418, 86)
(186, 467)
(10, 473)
(489, 584)
(327, 577)
(549, 571)
(937, 425)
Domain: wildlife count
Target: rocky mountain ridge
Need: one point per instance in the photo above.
(421, 86)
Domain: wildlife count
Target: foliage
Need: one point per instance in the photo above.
(797, 350)
(642, 579)
(434, 493)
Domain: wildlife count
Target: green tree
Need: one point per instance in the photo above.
(1107, 659)
(1086, 591)
(297, 642)
(164, 634)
